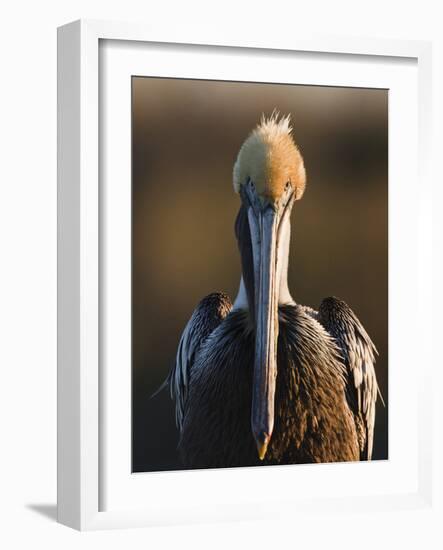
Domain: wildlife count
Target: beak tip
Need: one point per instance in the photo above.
(262, 441)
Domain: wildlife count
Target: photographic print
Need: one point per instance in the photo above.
(259, 274)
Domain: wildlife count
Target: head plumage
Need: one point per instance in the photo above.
(270, 158)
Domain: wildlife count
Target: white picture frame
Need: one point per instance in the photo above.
(81, 428)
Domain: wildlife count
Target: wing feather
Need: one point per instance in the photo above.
(359, 354)
(208, 314)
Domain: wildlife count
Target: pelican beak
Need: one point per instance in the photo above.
(264, 225)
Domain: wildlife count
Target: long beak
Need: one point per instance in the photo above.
(264, 230)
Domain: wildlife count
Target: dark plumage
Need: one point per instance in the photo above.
(358, 353)
(313, 420)
(206, 317)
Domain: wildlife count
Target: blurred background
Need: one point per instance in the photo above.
(186, 135)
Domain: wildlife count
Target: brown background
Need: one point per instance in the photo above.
(186, 135)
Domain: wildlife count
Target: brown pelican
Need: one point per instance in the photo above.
(266, 380)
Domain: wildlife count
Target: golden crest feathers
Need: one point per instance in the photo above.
(270, 158)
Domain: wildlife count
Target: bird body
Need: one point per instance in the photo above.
(266, 380)
(313, 421)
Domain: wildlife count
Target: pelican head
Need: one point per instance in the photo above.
(269, 176)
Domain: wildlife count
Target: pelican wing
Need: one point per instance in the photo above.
(359, 354)
(208, 314)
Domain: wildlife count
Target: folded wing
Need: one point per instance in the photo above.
(358, 353)
(208, 314)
